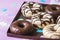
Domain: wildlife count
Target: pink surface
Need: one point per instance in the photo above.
(6, 17)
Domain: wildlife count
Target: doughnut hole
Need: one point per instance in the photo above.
(54, 8)
(21, 25)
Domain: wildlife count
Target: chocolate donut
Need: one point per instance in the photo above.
(52, 8)
(30, 8)
(21, 27)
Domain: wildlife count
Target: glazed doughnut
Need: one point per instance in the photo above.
(36, 20)
(21, 27)
(30, 8)
(42, 19)
(46, 20)
(52, 8)
(52, 31)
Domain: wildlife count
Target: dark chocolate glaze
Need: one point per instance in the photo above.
(21, 27)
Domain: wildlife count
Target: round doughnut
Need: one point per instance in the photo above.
(42, 19)
(30, 8)
(52, 8)
(52, 31)
(46, 20)
(21, 27)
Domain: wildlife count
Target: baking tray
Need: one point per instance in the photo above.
(35, 35)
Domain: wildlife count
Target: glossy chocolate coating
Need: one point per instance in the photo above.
(54, 10)
(21, 27)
